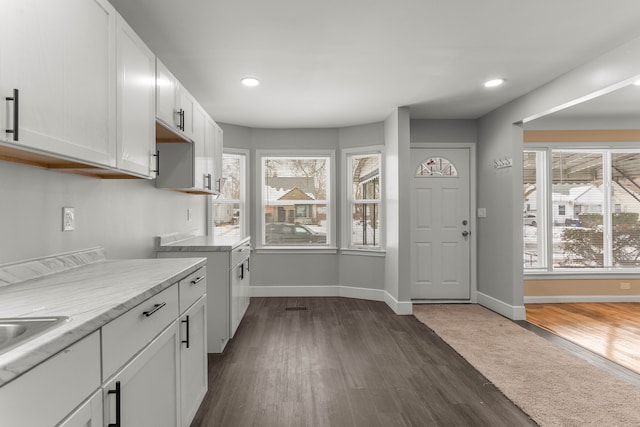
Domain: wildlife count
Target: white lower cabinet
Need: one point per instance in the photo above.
(145, 392)
(193, 359)
(50, 392)
(89, 414)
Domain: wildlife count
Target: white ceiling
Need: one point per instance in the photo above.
(335, 63)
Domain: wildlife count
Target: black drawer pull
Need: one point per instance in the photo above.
(155, 308)
(118, 394)
(197, 280)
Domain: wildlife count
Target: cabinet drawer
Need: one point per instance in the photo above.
(47, 393)
(239, 254)
(192, 287)
(124, 336)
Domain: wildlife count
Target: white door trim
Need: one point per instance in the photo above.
(472, 207)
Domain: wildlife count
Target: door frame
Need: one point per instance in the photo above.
(473, 284)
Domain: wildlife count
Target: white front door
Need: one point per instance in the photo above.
(440, 224)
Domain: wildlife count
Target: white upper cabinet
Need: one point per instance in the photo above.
(166, 91)
(136, 70)
(213, 154)
(59, 58)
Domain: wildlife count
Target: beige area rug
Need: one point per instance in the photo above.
(552, 386)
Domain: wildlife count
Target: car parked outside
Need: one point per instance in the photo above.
(530, 219)
(279, 233)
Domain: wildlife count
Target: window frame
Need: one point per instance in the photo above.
(546, 185)
(244, 196)
(330, 246)
(347, 201)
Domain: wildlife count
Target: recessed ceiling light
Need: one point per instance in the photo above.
(250, 81)
(637, 83)
(493, 83)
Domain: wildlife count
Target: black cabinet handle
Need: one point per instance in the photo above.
(248, 264)
(16, 110)
(208, 176)
(187, 322)
(118, 395)
(197, 280)
(155, 308)
(181, 125)
(157, 156)
(242, 271)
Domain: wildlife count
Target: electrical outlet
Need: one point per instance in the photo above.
(625, 285)
(68, 219)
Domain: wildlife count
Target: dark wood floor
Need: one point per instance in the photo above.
(611, 330)
(345, 362)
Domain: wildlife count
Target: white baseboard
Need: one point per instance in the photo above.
(509, 311)
(581, 298)
(401, 308)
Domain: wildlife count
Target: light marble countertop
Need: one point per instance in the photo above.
(177, 242)
(89, 295)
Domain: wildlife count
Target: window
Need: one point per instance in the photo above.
(593, 205)
(437, 167)
(363, 195)
(229, 211)
(296, 208)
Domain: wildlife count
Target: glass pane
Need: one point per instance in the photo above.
(366, 177)
(295, 179)
(625, 185)
(577, 198)
(227, 219)
(532, 248)
(437, 167)
(365, 229)
(231, 168)
(295, 224)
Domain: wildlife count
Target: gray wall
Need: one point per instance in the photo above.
(427, 130)
(307, 269)
(500, 277)
(122, 216)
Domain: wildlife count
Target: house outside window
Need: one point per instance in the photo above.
(229, 211)
(593, 209)
(363, 222)
(296, 206)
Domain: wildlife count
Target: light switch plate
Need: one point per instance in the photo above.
(482, 212)
(68, 219)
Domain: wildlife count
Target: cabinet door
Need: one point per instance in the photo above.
(88, 414)
(135, 102)
(202, 178)
(193, 359)
(237, 274)
(148, 386)
(187, 107)
(166, 90)
(60, 56)
(213, 154)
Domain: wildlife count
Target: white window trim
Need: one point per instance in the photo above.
(347, 187)
(330, 247)
(244, 195)
(607, 149)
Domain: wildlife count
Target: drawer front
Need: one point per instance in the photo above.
(124, 336)
(240, 254)
(192, 287)
(47, 393)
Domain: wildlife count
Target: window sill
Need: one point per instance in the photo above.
(592, 274)
(295, 250)
(364, 252)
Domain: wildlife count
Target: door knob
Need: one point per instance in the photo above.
(465, 233)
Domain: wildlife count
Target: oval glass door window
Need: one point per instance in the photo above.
(436, 167)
